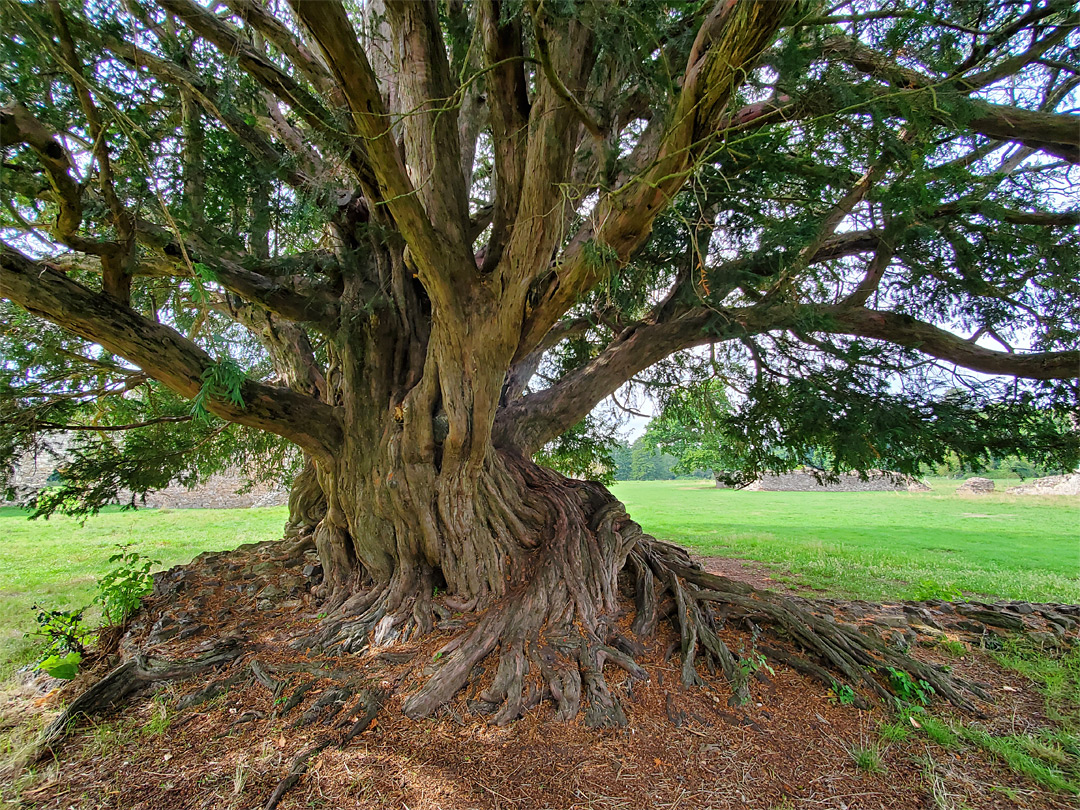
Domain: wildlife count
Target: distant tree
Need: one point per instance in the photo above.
(621, 455)
(694, 426)
(648, 462)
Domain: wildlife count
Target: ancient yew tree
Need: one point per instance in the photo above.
(421, 241)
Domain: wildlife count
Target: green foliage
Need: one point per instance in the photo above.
(852, 421)
(584, 451)
(65, 638)
(693, 427)
(909, 690)
(222, 381)
(62, 630)
(842, 694)
(649, 463)
(122, 588)
(119, 592)
(64, 667)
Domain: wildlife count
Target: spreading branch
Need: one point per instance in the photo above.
(162, 353)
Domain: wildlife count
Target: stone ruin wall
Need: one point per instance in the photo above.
(217, 492)
(804, 481)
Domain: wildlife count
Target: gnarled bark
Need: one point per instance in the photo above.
(544, 568)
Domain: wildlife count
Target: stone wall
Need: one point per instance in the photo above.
(1051, 485)
(805, 481)
(32, 471)
(217, 492)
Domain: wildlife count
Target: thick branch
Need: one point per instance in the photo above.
(253, 140)
(508, 99)
(258, 17)
(266, 73)
(440, 265)
(426, 93)
(904, 330)
(1055, 133)
(18, 125)
(729, 41)
(311, 304)
(115, 266)
(163, 353)
(530, 422)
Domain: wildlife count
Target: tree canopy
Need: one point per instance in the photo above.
(879, 193)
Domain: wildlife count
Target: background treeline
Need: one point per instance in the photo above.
(642, 460)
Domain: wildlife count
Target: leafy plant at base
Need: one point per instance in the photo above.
(65, 637)
(119, 592)
(908, 690)
(121, 589)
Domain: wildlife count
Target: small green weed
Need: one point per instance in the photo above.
(939, 731)
(953, 647)
(65, 636)
(867, 757)
(907, 689)
(894, 732)
(159, 721)
(842, 694)
(751, 662)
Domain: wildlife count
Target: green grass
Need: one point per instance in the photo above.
(894, 732)
(868, 545)
(867, 757)
(56, 563)
(877, 545)
(1055, 673)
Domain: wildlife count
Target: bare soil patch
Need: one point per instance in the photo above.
(753, 573)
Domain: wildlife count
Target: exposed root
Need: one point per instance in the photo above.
(371, 701)
(129, 678)
(704, 602)
(555, 631)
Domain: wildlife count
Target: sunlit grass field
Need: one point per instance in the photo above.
(55, 563)
(866, 545)
(878, 545)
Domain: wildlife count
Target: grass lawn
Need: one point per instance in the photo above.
(878, 545)
(867, 545)
(56, 562)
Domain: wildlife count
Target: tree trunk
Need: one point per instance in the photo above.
(427, 518)
(422, 514)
